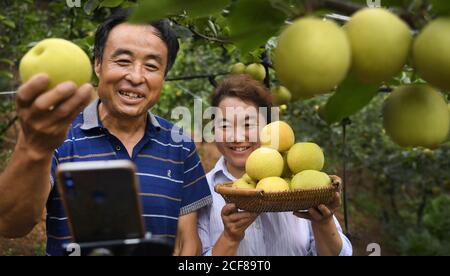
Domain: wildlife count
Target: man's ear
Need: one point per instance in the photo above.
(97, 67)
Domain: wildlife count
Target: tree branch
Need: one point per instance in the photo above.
(8, 125)
(212, 39)
(200, 35)
(205, 76)
(345, 7)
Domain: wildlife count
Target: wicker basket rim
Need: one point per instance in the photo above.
(227, 189)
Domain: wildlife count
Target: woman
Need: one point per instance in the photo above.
(227, 231)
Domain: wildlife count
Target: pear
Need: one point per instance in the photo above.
(60, 59)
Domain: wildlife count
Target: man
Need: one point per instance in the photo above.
(131, 62)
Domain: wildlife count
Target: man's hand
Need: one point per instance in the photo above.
(45, 116)
(236, 222)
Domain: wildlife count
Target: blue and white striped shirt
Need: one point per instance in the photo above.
(172, 179)
(272, 234)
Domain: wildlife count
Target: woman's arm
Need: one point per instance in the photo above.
(327, 238)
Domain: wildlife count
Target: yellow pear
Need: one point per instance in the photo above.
(305, 156)
(310, 179)
(60, 59)
(380, 43)
(248, 179)
(278, 135)
(281, 96)
(312, 57)
(431, 53)
(238, 68)
(256, 71)
(273, 185)
(416, 115)
(242, 184)
(264, 162)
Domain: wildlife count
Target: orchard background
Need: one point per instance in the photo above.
(398, 198)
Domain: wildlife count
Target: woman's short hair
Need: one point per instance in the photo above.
(245, 88)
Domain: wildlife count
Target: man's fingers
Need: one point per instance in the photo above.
(31, 89)
(70, 108)
(56, 96)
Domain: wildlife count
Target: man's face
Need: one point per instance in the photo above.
(131, 73)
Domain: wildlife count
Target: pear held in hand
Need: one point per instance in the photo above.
(60, 59)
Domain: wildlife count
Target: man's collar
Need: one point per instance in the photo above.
(91, 118)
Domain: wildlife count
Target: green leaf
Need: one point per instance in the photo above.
(253, 22)
(212, 27)
(6, 74)
(350, 97)
(182, 32)
(253, 56)
(91, 6)
(6, 61)
(441, 7)
(111, 3)
(149, 10)
(9, 23)
(128, 4)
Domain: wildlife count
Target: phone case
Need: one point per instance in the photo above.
(101, 200)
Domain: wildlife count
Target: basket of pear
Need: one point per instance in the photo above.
(282, 176)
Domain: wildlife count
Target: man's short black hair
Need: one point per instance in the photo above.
(120, 16)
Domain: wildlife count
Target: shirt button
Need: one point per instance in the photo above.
(258, 225)
(118, 148)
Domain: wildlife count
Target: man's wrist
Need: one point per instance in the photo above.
(27, 152)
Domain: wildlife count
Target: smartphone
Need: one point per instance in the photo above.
(101, 200)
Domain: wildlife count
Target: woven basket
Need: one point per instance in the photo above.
(258, 201)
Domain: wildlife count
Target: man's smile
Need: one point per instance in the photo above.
(131, 96)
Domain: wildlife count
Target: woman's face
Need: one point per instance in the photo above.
(237, 130)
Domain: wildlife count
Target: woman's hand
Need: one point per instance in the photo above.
(236, 222)
(322, 214)
(327, 238)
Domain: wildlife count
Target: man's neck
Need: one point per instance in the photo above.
(128, 130)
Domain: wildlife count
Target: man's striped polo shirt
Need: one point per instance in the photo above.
(172, 179)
